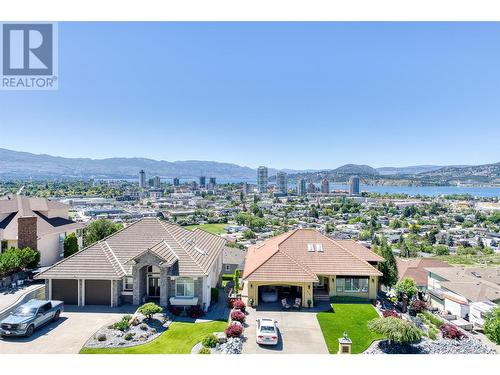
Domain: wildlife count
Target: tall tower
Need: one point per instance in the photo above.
(325, 186)
(301, 187)
(282, 183)
(354, 185)
(203, 181)
(142, 178)
(262, 179)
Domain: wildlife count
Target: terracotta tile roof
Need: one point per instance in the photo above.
(416, 268)
(110, 258)
(286, 257)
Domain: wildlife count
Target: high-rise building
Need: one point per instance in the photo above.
(311, 188)
(282, 183)
(203, 181)
(354, 185)
(301, 187)
(142, 178)
(262, 179)
(156, 181)
(176, 182)
(247, 188)
(211, 183)
(325, 186)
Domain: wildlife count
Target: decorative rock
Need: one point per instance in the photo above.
(221, 337)
(232, 346)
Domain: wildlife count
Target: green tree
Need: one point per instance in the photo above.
(396, 330)
(70, 245)
(406, 286)
(99, 229)
(492, 325)
(149, 309)
(389, 267)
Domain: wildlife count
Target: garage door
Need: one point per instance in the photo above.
(65, 290)
(98, 292)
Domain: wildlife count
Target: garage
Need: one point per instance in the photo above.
(65, 290)
(98, 292)
(275, 293)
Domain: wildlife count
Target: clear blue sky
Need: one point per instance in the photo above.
(286, 95)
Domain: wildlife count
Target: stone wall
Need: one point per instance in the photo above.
(27, 232)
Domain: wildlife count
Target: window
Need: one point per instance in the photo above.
(352, 284)
(228, 268)
(184, 287)
(128, 283)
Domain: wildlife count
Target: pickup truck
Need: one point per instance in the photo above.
(33, 314)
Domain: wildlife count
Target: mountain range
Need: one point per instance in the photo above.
(19, 165)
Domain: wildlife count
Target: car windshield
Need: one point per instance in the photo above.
(24, 311)
(269, 329)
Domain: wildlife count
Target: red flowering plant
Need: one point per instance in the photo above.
(234, 330)
(419, 306)
(450, 331)
(195, 312)
(388, 313)
(239, 305)
(238, 316)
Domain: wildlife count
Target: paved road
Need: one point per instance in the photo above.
(299, 333)
(66, 336)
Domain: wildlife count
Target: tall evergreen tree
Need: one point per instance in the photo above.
(389, 268)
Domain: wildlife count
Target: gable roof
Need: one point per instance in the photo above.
(287, 257)
(416, 268)
(195, 251)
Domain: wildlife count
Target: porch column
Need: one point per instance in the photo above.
(137, 286)
(163, 287)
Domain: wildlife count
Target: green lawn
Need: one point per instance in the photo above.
(211, 228)
(471, 260)
(179, 338)
(352, 318)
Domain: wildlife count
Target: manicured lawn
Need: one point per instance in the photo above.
(352, 318)
(179, 338)
(211, 228)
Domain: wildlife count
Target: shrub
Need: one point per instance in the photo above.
(395, 330)
(129, 336)
(101, 337)
(433, 319)
(419, 306)
(204, 351)
(195, 312)
(214, 295)
(239, 304)
(227, 277)
(432, 333)
(238, 316)
(70, 245)
(149, 309)
(492, 325)
(451, 332)
(210, 341)
(234, 330)
(388, 313)
(176, 311)
(406, 286)
(122, 325)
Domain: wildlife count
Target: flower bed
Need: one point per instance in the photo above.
(442, 346)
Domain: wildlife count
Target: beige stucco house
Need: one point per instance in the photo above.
(310, 266)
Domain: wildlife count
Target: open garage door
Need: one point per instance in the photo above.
(98, 292)
(66, 291)
(273, 294)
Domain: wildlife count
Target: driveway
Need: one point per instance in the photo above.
(68, 335)
(299, 333)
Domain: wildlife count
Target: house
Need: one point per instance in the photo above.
(416, 269)
(312, 266)
(38, 223)
(147, 260)
(453, 289)
(233, 259)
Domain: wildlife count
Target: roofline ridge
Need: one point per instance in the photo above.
(305, 268)
(109, 253)
(350, 252)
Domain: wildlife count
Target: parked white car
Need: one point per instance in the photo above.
(269, 294)
(267, 332)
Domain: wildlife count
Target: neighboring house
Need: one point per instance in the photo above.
(232, 259)
(311, 266)
(38, 223)
(147, 260)
(416, 269)
(453, 289)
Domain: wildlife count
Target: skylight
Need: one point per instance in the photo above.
(310, 247)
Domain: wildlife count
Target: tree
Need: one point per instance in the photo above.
(396, 330)
(149, 309)
(99, 229)
(441, 250)
(407, 286)
(249, 234)
(236, 280)
(70, 245)
(389, 267)
(492, 325)
(14, 260)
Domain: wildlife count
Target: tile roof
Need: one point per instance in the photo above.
(286, 257)
(111, 257)
(416, 268)
(233, 255)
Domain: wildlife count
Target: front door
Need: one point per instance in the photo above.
(153, 286)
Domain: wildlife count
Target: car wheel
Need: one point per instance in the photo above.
(30, 330)
(56, 316)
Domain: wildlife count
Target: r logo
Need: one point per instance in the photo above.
(27, 49)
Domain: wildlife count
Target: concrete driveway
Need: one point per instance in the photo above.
(299, 333)
(68, 335)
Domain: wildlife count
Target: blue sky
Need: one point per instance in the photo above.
(286, 95)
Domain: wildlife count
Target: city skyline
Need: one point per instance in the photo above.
(381, 94)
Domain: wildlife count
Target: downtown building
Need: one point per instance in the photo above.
(282, 183)
(354, 185)
(262, 179)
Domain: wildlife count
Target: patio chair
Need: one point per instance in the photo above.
(285, 304)
(297, 304)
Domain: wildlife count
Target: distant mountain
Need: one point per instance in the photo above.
(474, 174)
(389, 171)
(14, 164)
(339, 174)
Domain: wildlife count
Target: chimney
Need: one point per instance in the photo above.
(27, 232)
